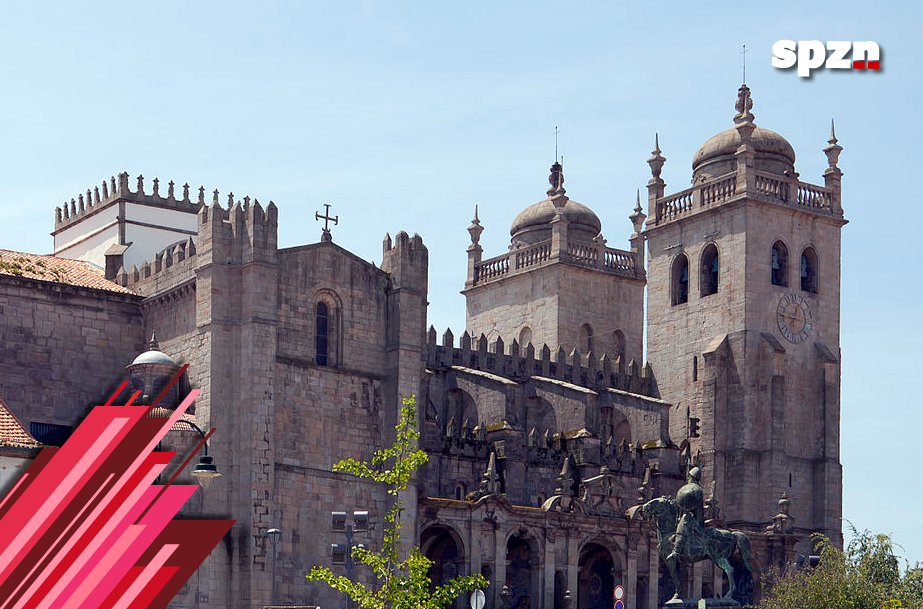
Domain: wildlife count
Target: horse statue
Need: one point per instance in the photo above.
(715, 544)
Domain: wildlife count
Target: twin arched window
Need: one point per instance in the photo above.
(779, 267)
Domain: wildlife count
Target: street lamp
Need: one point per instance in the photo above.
(343, 553)
(205, 470)
(273, 537)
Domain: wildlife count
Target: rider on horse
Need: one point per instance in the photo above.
(690, 530)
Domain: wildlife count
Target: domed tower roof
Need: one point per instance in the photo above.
(716, 156)
(533, 224)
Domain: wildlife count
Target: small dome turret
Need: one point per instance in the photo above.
(716, 156)
(533, 224)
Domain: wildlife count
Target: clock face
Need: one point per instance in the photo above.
(794, 317)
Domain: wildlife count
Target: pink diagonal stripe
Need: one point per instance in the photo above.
(149, 571)
(139, 460)
(34, 525)
(116, 551)
(77, 564)
(154, 522)
(58, 540)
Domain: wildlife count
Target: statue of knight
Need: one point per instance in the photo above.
(683, 537)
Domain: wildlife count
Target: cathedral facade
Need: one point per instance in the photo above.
(543, 421)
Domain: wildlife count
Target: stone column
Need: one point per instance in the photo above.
(631, 566)
(653, 593)
(499, 564)
(548, 595)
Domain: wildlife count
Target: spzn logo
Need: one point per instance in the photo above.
(812, 54)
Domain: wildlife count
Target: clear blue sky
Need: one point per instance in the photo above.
(403, 116)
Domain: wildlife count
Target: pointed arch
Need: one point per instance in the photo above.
(328, 322)
(586, 338)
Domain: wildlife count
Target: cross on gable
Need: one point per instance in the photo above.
(325, 235)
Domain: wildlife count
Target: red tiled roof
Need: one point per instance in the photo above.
(12, 433)
(166, 413)
(57, 270)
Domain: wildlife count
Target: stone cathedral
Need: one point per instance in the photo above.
(543, 421)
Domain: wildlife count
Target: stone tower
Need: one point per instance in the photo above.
(559, 285)
(743, 322)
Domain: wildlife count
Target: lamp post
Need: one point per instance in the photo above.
(273, 537)
(343, 554)
(205, 470)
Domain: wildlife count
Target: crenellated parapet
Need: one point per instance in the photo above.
(242, 233)
(117, 189)
(522, 363)
(170, 267)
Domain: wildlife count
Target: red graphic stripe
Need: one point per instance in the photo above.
(117, 391)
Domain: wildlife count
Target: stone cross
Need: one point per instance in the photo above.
(326, 236)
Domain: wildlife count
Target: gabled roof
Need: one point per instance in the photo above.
(57, 270)
(12, 432)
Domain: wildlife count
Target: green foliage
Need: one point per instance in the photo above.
(866, 576)
(402, 584)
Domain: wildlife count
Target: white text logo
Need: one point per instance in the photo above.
(812, 54)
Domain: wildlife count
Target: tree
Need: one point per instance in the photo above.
(866, 576)
(402, 584)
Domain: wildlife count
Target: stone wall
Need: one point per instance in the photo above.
(64, 348)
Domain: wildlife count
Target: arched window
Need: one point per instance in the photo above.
(809, 270)
(680, 280)
(779, 264)
(586, 338)
(321, 335)
(525, 336)
(709, 282)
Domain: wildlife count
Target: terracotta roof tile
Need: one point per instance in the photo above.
(57, 270)
(166, 413)
(12, 432)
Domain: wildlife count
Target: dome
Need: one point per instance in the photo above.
(540, 215)
(716, 156)
(153, 357)
(533, 224)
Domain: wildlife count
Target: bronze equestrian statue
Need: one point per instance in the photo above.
(682, 536)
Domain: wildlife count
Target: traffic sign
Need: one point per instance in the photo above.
(478, 599)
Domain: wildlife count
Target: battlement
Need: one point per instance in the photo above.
(115, 190)
(168, 268)
(242, 233)
(518, 363)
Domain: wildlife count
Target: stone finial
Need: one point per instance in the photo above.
(106, 188)
(90, 198)
(57, 215)
(230, 200)
(832, 150)
(638, 217)
(140, 187)
(657, 160)
(80, 206)
(96, 194)
(475, 229)
(73, 207)
(156, 191)
(152, 345)
(565, 479)
(743, 106)
(491, 479)
(186, 191)
(171, 194)
(123, 184)
(215, 198)
(556, 179)
(782, 523)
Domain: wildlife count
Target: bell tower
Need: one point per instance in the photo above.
(744, 322)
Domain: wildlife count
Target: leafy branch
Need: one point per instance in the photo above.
(402, 584)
